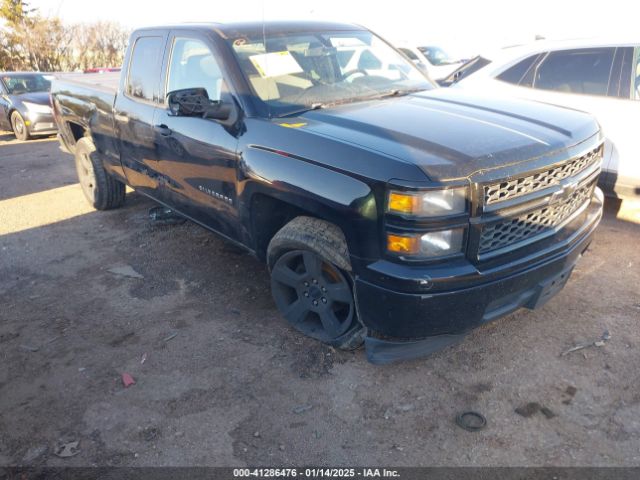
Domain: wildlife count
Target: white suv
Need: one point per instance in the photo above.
(599, 77)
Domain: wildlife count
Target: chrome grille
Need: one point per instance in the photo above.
(517, 229)
(499, 192)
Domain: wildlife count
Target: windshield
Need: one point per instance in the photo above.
(17, 84)
(297, 71)
(437, 56)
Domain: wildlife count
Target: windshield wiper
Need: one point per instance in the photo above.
(313, 106)
(406, 91)
(396, 93)
(317, 106)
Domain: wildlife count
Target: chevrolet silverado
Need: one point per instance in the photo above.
(389, 212)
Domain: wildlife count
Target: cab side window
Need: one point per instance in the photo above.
(144, 69)
(194, 66)
(584, 71)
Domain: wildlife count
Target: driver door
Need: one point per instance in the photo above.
(197, 157)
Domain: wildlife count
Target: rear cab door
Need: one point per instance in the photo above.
(198, 157)
(139, 95)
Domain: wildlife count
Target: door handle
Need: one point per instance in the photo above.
(163, 130)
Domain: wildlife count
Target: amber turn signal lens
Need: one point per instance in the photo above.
(402, 203)
(400, 244)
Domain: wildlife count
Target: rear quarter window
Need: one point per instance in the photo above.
(518, 73)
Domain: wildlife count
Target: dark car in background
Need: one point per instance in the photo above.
(24, 104)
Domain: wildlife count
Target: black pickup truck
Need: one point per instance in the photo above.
(387, 210)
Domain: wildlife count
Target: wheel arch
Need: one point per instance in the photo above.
(77, 131)
(8, 114)
(312, 283)
(341, 200)
(12, 111)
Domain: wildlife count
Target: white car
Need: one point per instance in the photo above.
(599, 77)
(432, 60)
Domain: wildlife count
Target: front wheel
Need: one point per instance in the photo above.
(20, 129)
(100, 189)
(311, 284)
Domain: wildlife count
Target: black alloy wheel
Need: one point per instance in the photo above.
(313, 295)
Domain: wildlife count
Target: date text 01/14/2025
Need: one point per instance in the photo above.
(315, 473)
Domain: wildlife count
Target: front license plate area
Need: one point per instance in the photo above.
(549, 288)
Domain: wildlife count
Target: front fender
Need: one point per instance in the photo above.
(345, 201)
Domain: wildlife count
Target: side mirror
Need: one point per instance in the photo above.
(194, 102)
(188, 102)
(218, 111)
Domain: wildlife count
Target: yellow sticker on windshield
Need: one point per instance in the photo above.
(275, 64)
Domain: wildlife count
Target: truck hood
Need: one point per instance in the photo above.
(453, 134)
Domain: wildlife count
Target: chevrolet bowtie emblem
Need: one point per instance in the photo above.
(565, 192)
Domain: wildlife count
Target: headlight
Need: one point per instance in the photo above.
(433, 203)
(36, 108)
(429, 245)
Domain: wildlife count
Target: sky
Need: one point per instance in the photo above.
(464, 27)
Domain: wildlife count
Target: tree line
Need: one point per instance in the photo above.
(30, 41)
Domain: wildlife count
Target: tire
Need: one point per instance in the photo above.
(311, 282)
(100, 189)
(20, 130)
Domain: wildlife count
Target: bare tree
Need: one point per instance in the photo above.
(6, 52)
(99, 44)
(46, 45)
(29, 41)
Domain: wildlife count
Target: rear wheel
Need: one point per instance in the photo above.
(311, 282)
(20, 129)
(101, 190)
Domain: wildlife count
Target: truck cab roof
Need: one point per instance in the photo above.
(251, 28)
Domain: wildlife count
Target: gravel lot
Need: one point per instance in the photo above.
(225, 381)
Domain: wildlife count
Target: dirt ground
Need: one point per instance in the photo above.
(226, 382)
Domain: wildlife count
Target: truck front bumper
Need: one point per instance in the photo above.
(407, 324)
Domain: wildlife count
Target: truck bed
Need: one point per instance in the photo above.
(107, 82)
(81, 95)
(83, 104)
